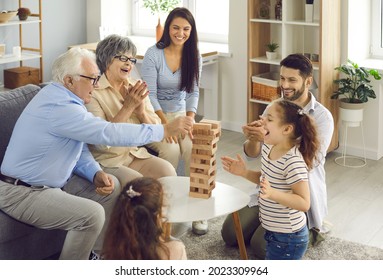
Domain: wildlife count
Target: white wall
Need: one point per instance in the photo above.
(110, 13)
(355, 45)
(233, 70)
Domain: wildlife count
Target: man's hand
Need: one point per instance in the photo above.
(103, 182)
(254, 131)
(255, 134)
(179, 126)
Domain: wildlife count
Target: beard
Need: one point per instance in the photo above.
(296, 95)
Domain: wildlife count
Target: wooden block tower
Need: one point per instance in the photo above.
(203, 165)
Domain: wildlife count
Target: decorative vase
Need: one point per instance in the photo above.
(309, 12)
(278, 10)
(159, 30)
(264, 10)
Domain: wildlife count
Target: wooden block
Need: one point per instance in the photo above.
(208, 185)
(200, 195)
(203, 162)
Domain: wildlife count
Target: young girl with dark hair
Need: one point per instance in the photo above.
(288, 153)
(135, 227)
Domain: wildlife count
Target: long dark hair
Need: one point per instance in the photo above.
(135, 226)
(305, 132)
(190, 53)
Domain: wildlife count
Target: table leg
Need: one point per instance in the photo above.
(239, 234)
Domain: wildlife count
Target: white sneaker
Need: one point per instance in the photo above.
(326, 227)
(200, 227)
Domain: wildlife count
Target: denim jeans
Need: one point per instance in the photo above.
(286, 246)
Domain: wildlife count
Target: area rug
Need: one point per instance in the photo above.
(211, 247)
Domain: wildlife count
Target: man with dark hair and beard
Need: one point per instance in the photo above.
(296, 77)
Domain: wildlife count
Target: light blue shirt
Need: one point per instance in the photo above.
(48, 141)
(164, 85)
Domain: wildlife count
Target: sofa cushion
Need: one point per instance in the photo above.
(12, 103)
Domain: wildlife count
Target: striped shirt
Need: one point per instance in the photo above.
(164, 85)
(282, 174)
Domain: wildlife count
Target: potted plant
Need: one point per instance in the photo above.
(354, 89)
(271, 50)
(23, 13)
(157, 7)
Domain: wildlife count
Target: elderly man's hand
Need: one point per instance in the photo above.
(180, 126)
(104, 183)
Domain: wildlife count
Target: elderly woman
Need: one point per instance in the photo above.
(119, 99)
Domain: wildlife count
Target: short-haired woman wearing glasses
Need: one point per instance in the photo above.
(120, 99)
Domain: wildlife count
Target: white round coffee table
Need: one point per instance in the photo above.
(224, 200)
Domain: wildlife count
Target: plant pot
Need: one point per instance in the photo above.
(352, 113)
(271, 55)
(23, 17)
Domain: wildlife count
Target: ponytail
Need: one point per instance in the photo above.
(309, 144)
(305, 132)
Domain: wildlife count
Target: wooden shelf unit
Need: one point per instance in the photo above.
(295, 35)
(27, 53)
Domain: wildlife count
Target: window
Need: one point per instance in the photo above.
(212, 23)
(377, 29)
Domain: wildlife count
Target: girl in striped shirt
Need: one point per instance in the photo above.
(288, 153)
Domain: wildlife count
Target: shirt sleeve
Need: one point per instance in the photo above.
(325, 128)
(75, 122)
(86, 166)
(296, 170)
(149, 72)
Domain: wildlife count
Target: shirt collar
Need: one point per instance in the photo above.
(71, 94)
(310, 107)
(103, 83)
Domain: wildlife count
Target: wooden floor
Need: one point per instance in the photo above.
(355, 195)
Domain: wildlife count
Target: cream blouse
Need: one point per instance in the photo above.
(106, 102)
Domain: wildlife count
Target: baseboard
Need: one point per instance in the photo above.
(237, 127)
(358, 152)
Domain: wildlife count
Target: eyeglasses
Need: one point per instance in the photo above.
(94, 80)
(124, 58)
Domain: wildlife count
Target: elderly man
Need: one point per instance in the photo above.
(48, 148)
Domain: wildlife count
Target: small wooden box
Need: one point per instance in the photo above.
(20, 76)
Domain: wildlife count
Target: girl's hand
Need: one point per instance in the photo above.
(266, 190)
(234, 166)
